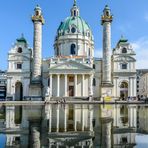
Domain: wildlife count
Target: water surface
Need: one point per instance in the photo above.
(74, 126)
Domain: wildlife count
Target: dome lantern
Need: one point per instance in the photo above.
(75, 10)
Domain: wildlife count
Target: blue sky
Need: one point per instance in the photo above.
(130, 20)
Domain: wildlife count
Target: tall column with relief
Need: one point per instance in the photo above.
(106, 61)
(38, 21)
(36, 85)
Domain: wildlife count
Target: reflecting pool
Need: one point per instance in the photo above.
(74, 126)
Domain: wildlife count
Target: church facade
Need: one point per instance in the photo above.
(73, 71)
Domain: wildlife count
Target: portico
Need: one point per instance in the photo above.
(71, 84)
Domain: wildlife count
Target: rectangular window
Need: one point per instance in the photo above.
(94, 66)
(19, 66)
(124, 66)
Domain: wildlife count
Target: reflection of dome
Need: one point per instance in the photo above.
(74, 25)
(74, 36)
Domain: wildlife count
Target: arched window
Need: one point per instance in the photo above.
(124, 50)
(94, 82)
(73, 29)
(89, 53)
(107, 13)
(124, 85)
(75, 13)
(37, 13)
(19, 50)
(58, 53)
(73, 49)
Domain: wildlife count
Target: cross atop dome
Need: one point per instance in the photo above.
(75, 3)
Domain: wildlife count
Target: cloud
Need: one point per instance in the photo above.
(146, 17)
(141, 48)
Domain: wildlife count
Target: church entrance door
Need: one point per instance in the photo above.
(71, 91)
(124, 91)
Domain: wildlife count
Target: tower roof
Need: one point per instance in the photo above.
(122, 40)
(21, 39)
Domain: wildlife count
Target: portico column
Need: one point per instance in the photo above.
(58, 85)
(91, 117)
(65, 85)
(83, 117)
(83, 78)
(51, 84)
(76, 84)
(90, 85)
(58, 123)
(65, 118)
(50, 118)
(130, 88)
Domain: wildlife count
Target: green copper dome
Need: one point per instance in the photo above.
(74, 24)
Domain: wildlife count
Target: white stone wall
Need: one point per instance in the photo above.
(98, 77)
(83, 45)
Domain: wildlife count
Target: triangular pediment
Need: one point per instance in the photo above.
(71, 65)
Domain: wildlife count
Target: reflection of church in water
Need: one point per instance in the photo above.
(73, 71)
(71, 126)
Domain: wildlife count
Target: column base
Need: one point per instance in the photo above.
(107, 90)
(35, 91)
(107, 84)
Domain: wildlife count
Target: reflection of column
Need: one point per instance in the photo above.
(50, 117)
(50, 84)
(75, 118)
(58, 85)
(83, 86)
(106, 132)
(10, 117)
(35, 134)
(83, 117)
(75, 84)
(91, 118)
(65, 85)
(118, 115)
(57, 118)
(135, 117)
(65, 119)
(130, 116)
